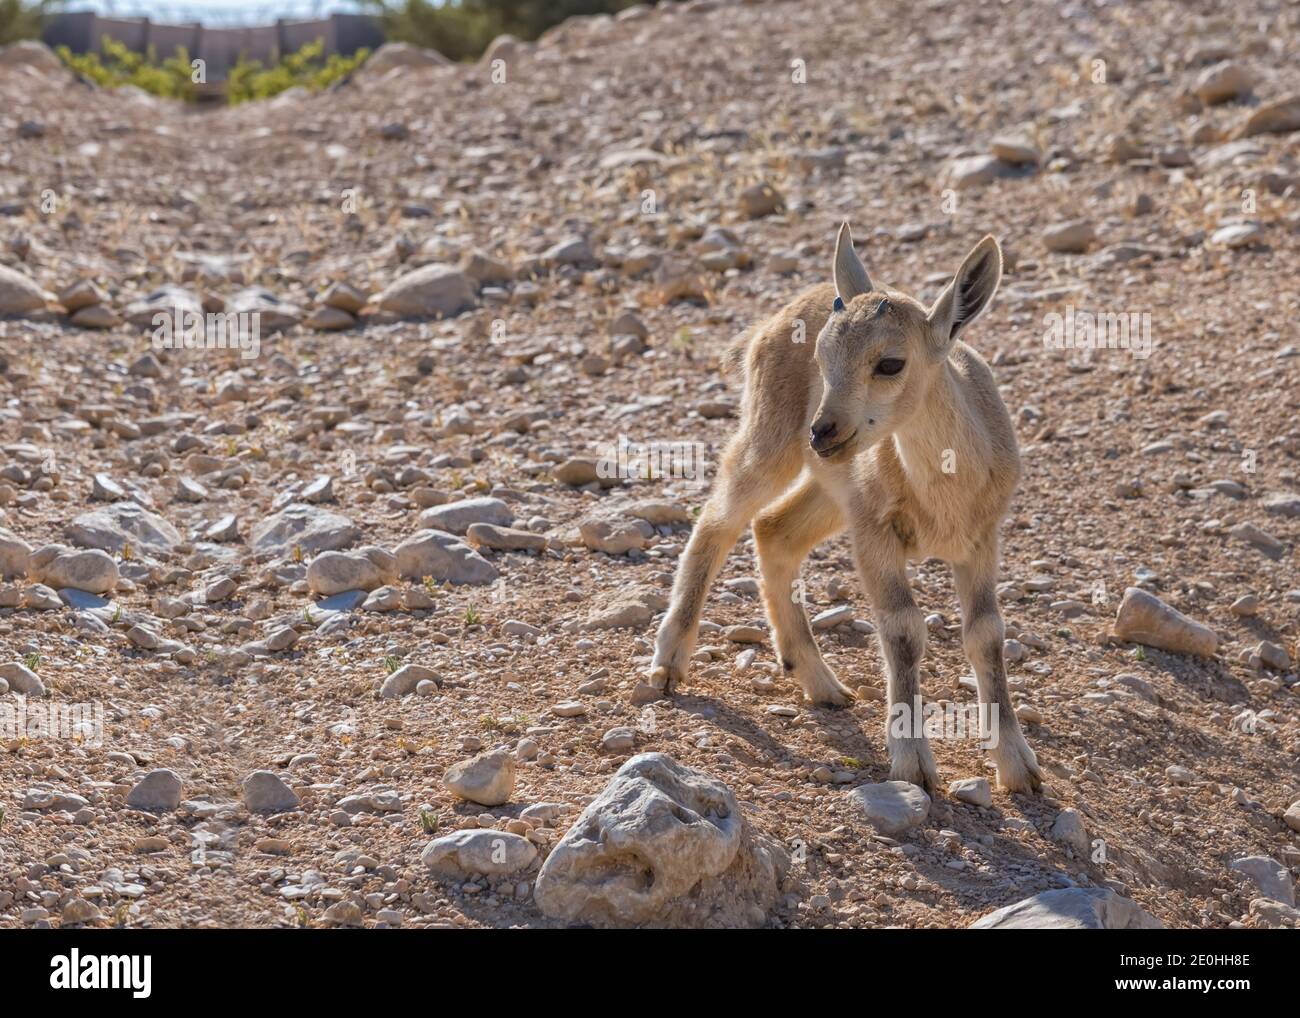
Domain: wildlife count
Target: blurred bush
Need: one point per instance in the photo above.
(23, 19)
(462, 29)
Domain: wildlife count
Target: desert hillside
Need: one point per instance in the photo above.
(475, 284)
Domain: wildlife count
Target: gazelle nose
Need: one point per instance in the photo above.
(822, 434)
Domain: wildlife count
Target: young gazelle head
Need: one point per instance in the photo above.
(880, 350)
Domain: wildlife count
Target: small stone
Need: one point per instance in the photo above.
(1017, 149)
(760, 200)
(94, 571)
(328, 319)
(97, 316)
(1069, 830)
(487, 535)
(19, 294)
(487, 779)
(443, 557)
(1144, 618)
(975, 791)
(1282, 116)
(612, 536)
(1072, 237)
(405, 680)
(333, 572)
(1223, 82)
(343, 913)
(1237, 235)
(157, 790)
(431, 290)
(892, 807)
(745, 634)
(1245, 606)
(264, 792)
(78, 910)
(1258, 538)
(618, 740)
(832, 617)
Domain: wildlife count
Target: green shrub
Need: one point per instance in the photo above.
(121, 65)
(462, 29)
(249, 80)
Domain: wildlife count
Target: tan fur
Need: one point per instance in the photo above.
(929, 469)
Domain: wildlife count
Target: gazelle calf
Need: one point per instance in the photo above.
(893, 428)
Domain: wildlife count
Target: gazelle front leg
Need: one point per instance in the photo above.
(882, 566)
(982, 638)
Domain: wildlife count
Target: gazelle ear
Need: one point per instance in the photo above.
(849, 273)
(969, 292)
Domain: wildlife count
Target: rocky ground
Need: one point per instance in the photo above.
(472, 281)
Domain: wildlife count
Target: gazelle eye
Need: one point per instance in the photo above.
(890, 366)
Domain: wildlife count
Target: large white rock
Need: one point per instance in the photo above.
(22, 679)
(662, 845)
(458, 517)
(307, 526)
(332, 572)
(19, 293)
(113, 527)
(15, 555)
(431, 290)
(442, 556)
(93, 571)
(1269, 875)
(471, 853)
(1071, 908)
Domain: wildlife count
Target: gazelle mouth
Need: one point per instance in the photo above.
(837, 447)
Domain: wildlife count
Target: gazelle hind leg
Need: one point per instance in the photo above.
(982, 638)
(783, 534)
(750, 477)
